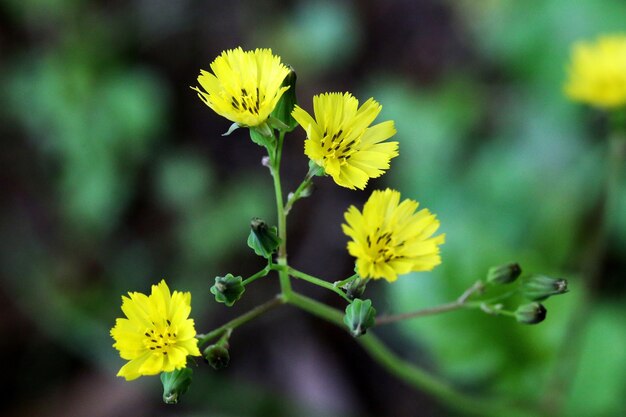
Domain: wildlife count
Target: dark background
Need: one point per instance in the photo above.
(114, 175)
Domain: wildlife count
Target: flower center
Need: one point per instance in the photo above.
(336, 146)
(247, 102)
(160, 337)
(382, 247)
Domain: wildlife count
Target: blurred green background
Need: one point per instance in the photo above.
(114, 175)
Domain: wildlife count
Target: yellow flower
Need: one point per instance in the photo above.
(597, 72)
(245, 86)
(389, 238)
(157, 336)
(340, 140)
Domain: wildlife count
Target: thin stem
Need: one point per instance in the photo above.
(238, 321)
(296, 195)
(459, 303)
(345, 281)
(317, 281)
(285, 284)
(263, 272)
(408, 372)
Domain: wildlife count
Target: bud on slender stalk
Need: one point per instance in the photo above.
(175, 384)
(263, 239)
(532, 313)
(228, 289)
(355, 288)
(217, 356)
(540, 287)
(504, 274)
(360, 315)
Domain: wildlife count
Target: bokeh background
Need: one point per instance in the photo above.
(114, 175)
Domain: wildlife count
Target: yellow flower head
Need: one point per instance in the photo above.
(245, 86)
(341, 140)
(158, 334)
(597, 72)
(389, 238)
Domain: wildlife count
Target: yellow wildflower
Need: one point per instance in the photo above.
(389, 238)
(157, 334)
(341, 140)
(244, 86)
(597, 72)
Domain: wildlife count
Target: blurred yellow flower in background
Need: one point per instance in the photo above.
(340, 139)
(245, 86)
(157, 334)
(389, 238)
(597, 72)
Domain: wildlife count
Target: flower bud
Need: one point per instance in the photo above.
(504, 274)
(532, 313)
(175, 384)
(355, 288)
(360, 315)
(263, 239)
(217, 356)
(282, 111)
(540, 287)
(228, 289)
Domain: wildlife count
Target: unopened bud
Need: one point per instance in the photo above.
(504, 274)
(228, 289)
(263, 239)
(532, 313)
(217, 356)
(360, 316)
(175, 384)
(540, 287)
(355, 288)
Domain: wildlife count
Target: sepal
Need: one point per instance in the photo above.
(175, 384)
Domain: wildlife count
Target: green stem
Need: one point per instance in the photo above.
(263, 272)
(238, 321)
(285, 284)
(303, 186)
(317, 281)
(459, 303)
(345, 281)
(408, 372)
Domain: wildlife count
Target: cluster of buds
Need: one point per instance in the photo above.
(533, 288)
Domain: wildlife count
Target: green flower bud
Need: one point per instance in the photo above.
(360, 315)
(540, 287)
(217, 356)
(355, 288)
(504, 274)
(175, 384)
(532, 313)
(228, 289)
(263, 239)
(282, 111)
